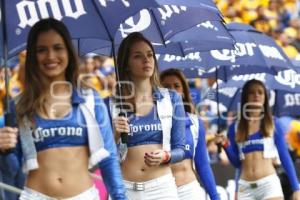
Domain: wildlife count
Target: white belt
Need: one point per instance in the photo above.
(141, 186)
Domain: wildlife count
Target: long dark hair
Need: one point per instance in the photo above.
(33, 97)
(266, 125)
(123, 65)
(187, 100)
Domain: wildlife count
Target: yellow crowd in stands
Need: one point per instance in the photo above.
(276, 18)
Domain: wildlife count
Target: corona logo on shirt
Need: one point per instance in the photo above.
(32, 11)
(145, 128)
(132, 24)
(40, 134)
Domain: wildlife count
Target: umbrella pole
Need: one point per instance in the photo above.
(8, 118)
(218, 110)
(122, 112)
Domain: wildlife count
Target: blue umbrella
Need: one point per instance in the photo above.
(78, 16)
(255, 52)
(17, 17)
(287, 80)
(208, 35)
(285, 85)
(92, 19)
(296, 64)
(180, 44)
(208, 4)
(97, 19)
(288, 104)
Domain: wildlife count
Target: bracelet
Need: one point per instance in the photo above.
(226, 144)
(167, 157)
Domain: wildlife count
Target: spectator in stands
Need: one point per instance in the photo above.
(287, 38)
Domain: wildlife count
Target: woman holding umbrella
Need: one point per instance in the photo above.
(254, 143)
(154, 126)
(58, 138)
(195, 149)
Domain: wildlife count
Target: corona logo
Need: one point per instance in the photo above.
(30, 12)
(104, 4)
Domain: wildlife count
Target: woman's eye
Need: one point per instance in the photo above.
(58, 48)
(41, 50)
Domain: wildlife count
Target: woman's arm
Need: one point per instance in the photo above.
(285, 157)
(231, 148)
(110, 167)
(202, 164)
(10, 146)
(178, 129)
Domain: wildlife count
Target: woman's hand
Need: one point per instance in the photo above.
(296, 195)
(121, 125)
(156, 157)
(221, 139)
(8, 138)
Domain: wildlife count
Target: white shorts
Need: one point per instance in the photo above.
(264, 188)
(162, 188)
(191, 191)
(29, 194)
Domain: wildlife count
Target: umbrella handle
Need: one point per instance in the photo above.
(219, 148)
(8, 119)
(124, 136)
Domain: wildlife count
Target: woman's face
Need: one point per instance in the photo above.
(141, 61)
(256, 95)
(173, 82)
(52, 55)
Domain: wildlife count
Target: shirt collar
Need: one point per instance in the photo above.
(77, 97)
(157, 95)
(188, 121)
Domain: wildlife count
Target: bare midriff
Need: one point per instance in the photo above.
(255, 166)
(134, 167)
(183, 172)
(62, 173)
